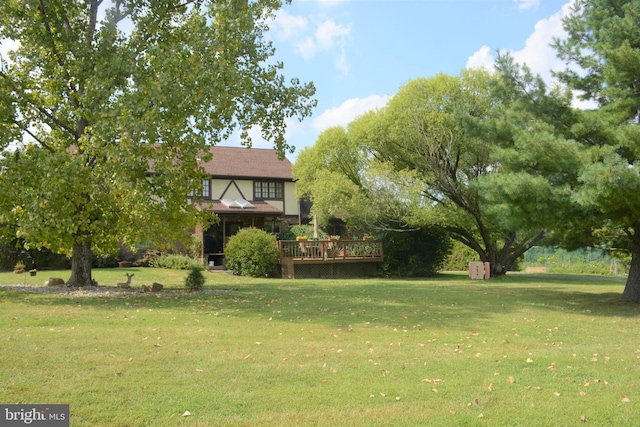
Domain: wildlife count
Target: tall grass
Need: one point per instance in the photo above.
(519, 351)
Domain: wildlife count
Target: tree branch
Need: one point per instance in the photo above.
(35, 137)
(528, 244)
(464, 237)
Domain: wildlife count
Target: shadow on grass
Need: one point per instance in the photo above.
(447, 300)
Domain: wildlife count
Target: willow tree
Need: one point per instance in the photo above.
(448, 130)
(112, 104)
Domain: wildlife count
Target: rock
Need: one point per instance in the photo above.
(54, 281)
(156, 287)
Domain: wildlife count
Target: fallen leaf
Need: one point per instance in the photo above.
(186, 414)
(625, 399)
(511, 380)
(481, 416)
(583, 419)
(397, 398)
(452, 411)
(490, 387)
(529, 360)
(383, 394)
(583, 393)
(435, 390)
(556, 394)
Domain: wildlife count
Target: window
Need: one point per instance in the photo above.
(268, 190)
(206, 190)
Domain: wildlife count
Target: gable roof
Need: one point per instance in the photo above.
(240, 162)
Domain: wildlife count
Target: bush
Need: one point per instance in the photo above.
(42, 259)
(418, 253)
(175, 262)
(252, 252)
(195, 279)
(458, 259)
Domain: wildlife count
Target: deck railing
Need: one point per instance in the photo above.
(330, 250)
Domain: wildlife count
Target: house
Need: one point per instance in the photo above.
(245, 187)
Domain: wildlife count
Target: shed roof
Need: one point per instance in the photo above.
(240, 162)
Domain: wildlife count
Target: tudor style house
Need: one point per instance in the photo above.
(246, 187)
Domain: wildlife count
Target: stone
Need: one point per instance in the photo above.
(156, 287)
(53, 282)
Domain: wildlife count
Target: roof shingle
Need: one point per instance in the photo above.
(239, 162)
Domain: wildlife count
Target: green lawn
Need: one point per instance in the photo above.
(517, 351)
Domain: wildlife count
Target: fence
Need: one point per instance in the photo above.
(585, 261)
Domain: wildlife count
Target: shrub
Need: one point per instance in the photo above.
(458, 259)
(175, 262)
(419, 253)
(252, 252)
(195, 279)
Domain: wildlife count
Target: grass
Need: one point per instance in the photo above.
(517, 351)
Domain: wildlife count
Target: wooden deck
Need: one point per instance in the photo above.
(329, 253)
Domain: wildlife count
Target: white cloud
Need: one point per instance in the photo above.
(309, 37)
(347, 111)
(537, 52)
(294, 128)
(286, 26)
(481, 59)
(341, 63)
(328, 32)
(527, 4)
(306, 47)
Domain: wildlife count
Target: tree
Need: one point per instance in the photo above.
(115, 102)
(341, 177)
(330, 173)
(602, 52)
(445, 152)
(450, 131)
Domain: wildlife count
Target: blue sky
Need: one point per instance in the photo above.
(359, 53)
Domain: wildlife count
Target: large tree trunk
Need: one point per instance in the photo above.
(81, 265)
(503, 261)
(632, 288)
